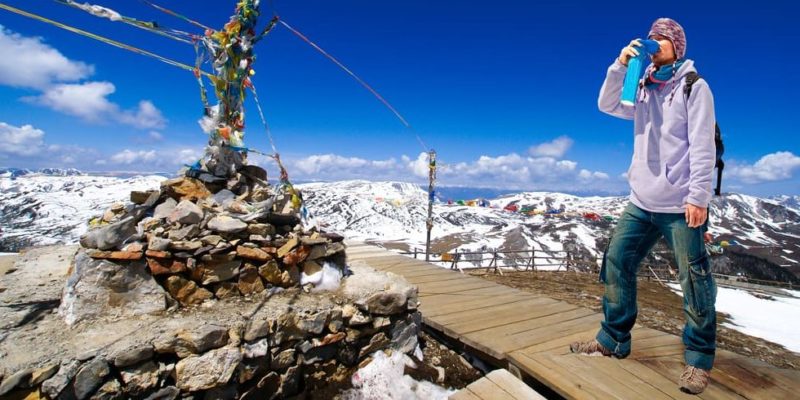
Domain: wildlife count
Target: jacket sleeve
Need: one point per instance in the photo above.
(611, 92)
(702, 151)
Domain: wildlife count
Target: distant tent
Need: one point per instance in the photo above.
(483, 203)
(461, 203)
(608, 218)
(511, 207)
(592, 216)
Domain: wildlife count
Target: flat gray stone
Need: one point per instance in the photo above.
(186, 212)
(109, 236)
(53, 387)
(212, 369)
(89, 377)
(226, 224)
(132, 355)
(164, 209)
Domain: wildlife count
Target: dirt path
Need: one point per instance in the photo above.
(659, 308)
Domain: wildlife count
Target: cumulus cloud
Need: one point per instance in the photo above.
(35, 64)
(129, 157)
(20, 141)
(771, 167)
(555, 148)
(587, 175)
(332, 164)
(145, 116)
(89, 101)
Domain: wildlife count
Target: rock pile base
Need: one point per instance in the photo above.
(277, 343)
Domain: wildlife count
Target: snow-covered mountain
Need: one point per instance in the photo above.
(40, 209)
(17, 172)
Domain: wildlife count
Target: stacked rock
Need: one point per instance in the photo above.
(203, 241)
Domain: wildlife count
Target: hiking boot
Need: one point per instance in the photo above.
(590, 348)
(694, 380)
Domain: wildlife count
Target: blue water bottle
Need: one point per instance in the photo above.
(635, 65)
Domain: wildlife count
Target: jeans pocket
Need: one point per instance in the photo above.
(701, 295)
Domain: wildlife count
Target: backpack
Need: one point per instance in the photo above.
(691, 78)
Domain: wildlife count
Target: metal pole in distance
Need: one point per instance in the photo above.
(431, 194)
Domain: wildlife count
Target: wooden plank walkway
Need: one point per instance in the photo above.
(497, 385)
(531, 333)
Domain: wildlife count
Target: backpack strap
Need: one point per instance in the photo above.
(691, 78)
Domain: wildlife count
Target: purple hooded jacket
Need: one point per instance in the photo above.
(673, 152)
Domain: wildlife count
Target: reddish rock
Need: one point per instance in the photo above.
(163, 266)
(184, 188)
(296, 256)
(158, 254)
(253, 253)
(116, 255)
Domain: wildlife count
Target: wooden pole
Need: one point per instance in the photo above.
(431, 194)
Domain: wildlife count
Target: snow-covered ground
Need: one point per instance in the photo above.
(776, 320)
(384, 378)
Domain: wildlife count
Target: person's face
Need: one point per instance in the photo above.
(666, 54)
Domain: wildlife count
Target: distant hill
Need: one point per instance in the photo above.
(36, 208)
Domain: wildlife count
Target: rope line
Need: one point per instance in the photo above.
(103, 39)
(359, 80)
(112, 15)
(345, 69)
(174, 14)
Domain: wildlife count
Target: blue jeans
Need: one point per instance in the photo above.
(636, 233)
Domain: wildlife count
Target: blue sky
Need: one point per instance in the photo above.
(505, 91)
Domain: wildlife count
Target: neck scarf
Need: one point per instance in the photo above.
(662, 75)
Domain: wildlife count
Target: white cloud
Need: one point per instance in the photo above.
(30, 63)
(146, 116)
(419, 166)
(587, 175)
(189, 156)
(84, 100)
(129, 157)
(89, 102)
(333, 164)
(771, 167)
(20, 141)
(555, 148)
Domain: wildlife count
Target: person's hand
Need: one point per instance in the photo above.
(708, 237)
(629, 51)
(695, 216)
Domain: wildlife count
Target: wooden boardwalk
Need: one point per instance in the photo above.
(497, 385)
(530, 333)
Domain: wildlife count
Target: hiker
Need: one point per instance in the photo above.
(670, 178)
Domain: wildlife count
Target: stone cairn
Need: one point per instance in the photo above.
(202, 242)
(200, 291)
